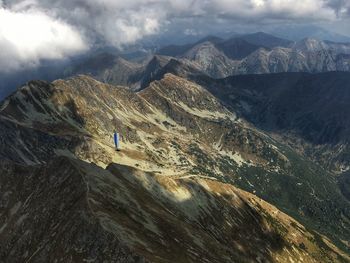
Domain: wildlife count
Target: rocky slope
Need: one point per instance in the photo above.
(45, 216)
(173, 127)
(308, 112)
(210, 60)
(72, 211)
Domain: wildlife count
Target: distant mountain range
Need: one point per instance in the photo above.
(261, 53)
(258, 53)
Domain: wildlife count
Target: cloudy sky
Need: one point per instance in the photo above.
(33, 30)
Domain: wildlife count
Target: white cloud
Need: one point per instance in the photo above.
(28, 37)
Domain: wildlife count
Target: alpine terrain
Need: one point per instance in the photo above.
(198, 178)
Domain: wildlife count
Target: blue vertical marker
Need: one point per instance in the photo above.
(116, 141)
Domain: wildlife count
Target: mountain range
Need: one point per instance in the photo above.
(261, 53)
(174, 129)
(257, 53)
(216, 164)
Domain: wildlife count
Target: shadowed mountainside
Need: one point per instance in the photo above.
(308, 110)
(83, 213)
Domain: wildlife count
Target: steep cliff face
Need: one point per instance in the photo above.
(173, 127)
(210, 60)
(71, 211)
